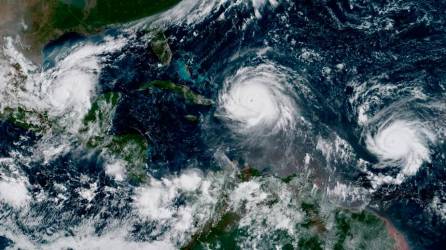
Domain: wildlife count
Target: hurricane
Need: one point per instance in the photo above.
(216, 124)
(402, 144)
(258, 100)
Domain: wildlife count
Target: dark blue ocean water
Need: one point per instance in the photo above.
(332, 47)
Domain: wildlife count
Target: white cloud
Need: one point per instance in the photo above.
(14, 192)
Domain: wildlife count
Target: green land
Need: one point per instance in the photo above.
(46, 20)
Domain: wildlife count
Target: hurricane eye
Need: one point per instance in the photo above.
(401, 143)
(253, 100)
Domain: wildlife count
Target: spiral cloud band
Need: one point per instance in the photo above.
(256, 99)
(401, 143)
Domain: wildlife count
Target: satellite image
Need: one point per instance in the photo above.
(223, 124)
